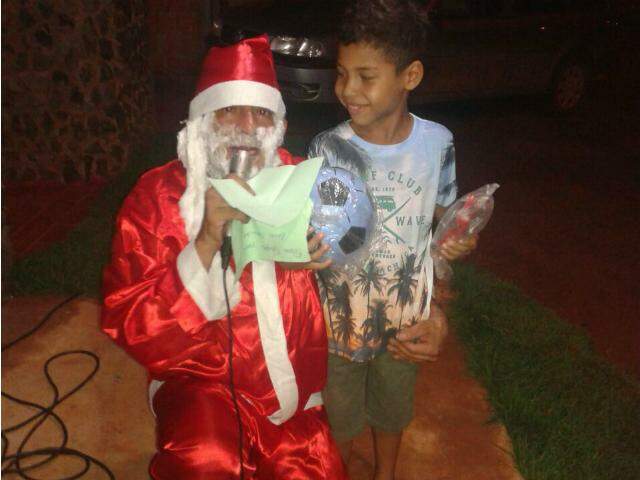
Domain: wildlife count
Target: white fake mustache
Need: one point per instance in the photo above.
(226, 138)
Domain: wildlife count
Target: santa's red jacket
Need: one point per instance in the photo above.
(168, 313)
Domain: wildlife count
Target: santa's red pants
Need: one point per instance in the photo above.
(197, 438)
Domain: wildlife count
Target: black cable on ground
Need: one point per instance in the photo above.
(13, 463)
(231, 383)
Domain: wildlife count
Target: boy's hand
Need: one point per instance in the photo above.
(454, 249)
(316, 250)
(422, 341)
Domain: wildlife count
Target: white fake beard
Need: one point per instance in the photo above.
(266, 140)
(202, 149)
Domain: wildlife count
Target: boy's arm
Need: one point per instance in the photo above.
(422, 341)
(447, 193)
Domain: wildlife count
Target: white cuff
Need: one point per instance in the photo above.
(206, 288)
(154, 386)
(315, 399)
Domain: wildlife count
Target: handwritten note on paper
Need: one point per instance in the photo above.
(280, 212)
(259, 241)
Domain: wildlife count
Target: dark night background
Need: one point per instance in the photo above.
(84, 83)
(88, 84)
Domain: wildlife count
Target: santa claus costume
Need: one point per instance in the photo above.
(169, 313)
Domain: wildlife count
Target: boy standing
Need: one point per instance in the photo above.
(412, 176)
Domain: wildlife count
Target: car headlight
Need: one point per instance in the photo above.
(297, 46)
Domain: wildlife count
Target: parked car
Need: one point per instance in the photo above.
(477, 48)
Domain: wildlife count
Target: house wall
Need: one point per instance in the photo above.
(75, 88)
(177, 31)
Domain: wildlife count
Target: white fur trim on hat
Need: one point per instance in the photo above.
(237, 92)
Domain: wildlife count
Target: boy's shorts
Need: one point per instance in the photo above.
(378, 393)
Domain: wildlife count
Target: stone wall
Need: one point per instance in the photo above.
(75, 87)
(177, 31)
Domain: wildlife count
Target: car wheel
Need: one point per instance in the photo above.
(569, 86)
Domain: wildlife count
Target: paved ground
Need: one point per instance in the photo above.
(109, 419)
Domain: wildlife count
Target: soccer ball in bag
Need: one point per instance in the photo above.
(343, 211)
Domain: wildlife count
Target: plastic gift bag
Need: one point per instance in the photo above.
(467, 216)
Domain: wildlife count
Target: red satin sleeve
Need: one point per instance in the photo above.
(147, 309)
(287, 159)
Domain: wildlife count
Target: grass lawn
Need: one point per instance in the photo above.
(569, 414)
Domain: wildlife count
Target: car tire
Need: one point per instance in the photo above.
(570, 85)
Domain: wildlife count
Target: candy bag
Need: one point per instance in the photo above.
(467, 216)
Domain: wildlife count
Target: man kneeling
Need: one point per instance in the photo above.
(164, 300)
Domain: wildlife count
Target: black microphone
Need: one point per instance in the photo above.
(240, 163)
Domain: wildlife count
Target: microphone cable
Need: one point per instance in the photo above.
(12, 463)
(225, 254)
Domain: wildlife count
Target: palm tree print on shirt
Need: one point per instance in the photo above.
(358, 333)
(340, 304)
(376, 322)
(327, 283)
(366, 279)
(404, 283)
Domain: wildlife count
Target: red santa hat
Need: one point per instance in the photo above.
(239, 74)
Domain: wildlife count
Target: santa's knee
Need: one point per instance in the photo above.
(199, 463)
(197, 433)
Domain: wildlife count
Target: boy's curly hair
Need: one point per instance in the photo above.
(397, 27)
